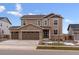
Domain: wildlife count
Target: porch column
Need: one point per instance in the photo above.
(49, 34)
(75, 35)
(20, 35)
(10, 36)
(40, 37)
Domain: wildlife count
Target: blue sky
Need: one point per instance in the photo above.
(14, 11)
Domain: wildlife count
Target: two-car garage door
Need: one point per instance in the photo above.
(26, 35)
(30, 35)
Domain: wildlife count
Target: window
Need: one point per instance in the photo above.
(45, 22)
(55, 31)
(23, 23)
(46, 33)
(2, 31)
(55, 22)
(39, 23)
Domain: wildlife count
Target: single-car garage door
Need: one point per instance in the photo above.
(76, 36)
(15, 35)
(30, 35)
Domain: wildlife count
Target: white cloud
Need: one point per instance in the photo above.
(14, 13)
(17, 11)
(2, 8)
(18, 7)
(68, 21)
(31, 14)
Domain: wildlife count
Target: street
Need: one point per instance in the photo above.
(38, 52)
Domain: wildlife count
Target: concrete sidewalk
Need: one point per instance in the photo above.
(11, 47)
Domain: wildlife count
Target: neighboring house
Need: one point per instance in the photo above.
(73, 29)
(35, 27)
(4, 27)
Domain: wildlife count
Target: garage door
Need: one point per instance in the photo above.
(30, 35)
(77, 36)
(14, 35)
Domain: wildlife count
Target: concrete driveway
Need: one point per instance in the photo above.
(19, 44)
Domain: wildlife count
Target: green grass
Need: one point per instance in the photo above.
(57, 47)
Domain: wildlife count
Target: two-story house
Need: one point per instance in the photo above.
(73, 30)
(37, 27)
(4, 27)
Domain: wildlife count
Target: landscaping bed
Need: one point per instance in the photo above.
(58, 44)
(60, 47)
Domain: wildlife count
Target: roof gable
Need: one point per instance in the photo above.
(29, 27)
(5, 19)
(57, 16)
(49, 15)
(73, 26)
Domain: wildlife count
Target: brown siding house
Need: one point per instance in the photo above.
(38, 27)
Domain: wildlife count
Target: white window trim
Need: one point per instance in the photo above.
(39, 21)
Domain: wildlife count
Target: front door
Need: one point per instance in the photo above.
(45, 33)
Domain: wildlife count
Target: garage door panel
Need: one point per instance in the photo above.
(77, 36)
(14, 35)
(30, 35)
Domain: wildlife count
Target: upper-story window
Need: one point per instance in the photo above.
(45, 22)
(39, 23)
(2, 31)
(55, 21)
(23, 23)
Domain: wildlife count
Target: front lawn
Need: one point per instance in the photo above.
(55, 47)
(58, 44)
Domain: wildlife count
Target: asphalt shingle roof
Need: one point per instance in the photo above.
(41, 16)
(74, 26)
(5, 19)
(32, 16)
(14, 27)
